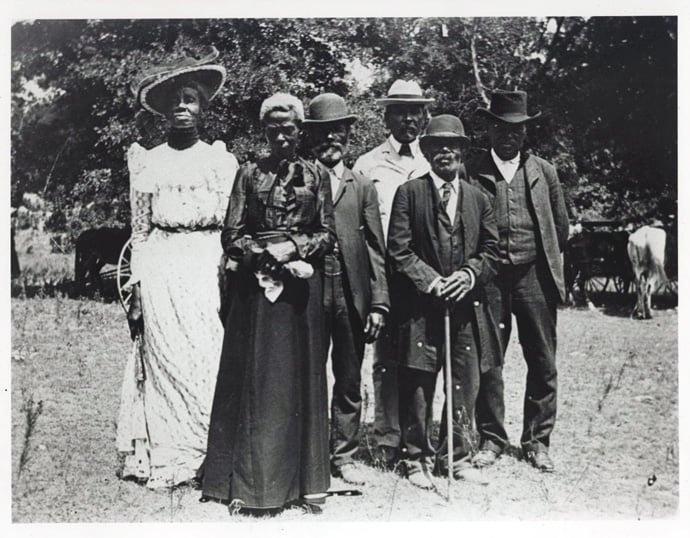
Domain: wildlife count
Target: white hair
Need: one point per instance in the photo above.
(284, 102)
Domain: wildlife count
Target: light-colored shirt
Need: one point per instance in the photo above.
(336, 174)
(414, 147)
(507, 168)
(452, 206)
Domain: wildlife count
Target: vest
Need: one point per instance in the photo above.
(450, 240)
(517, 236)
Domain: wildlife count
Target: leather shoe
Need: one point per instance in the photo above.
(387, 456)
(351, 473)
(484, 458)
(470, 475)
(420, 477)
(540, 460)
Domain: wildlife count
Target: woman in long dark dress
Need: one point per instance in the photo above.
(268, 438)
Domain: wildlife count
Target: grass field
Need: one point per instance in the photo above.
(615, 444)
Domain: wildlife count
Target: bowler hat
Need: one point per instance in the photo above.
(328, 108)
(404, 92)
(509, 107)
(444, 126)
(151, 87)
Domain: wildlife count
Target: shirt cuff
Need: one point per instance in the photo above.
(470, 273)
(380, 308)
(433, 283)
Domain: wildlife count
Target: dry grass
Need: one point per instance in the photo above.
(617, 428)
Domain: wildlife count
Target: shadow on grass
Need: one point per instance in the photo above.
(621, 305)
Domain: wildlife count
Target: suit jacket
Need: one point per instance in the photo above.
(360, 239)
(547, 203)
(414, 258)
(388, 170)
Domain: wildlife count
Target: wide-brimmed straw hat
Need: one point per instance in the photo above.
(509, 107)
(405, 92)
(444, 126)
(328, 108)
(151, 87)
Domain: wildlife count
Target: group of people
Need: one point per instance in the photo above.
(316, 255)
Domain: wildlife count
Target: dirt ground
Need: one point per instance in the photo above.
(615, 445)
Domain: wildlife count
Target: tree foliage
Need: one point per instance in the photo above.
(606, 87)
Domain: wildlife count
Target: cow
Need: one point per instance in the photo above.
(596, 254)
(92, 251)
(646, 248)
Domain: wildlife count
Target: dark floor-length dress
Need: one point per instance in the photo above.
(268, 438)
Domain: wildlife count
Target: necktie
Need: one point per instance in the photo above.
(405, 150)
(445, 196)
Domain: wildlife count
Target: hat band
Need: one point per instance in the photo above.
(405, 96)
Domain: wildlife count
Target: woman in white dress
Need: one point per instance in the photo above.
(179, 192)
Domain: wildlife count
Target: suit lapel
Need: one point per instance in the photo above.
(433, 206)
(531, 171)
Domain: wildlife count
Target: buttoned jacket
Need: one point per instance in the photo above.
(414, 258)
(546, 201)
(361, 242)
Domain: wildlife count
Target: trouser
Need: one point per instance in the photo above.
(385, 375)
(528, 292)
(344, 329)
(417, 389)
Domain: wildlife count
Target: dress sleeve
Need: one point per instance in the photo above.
(226, 172)
(140, 193)
(237, 242)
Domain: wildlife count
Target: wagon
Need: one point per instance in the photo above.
(596, 259)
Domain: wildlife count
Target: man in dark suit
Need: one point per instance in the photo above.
(533, 229)
(442, 249)
(355, 288)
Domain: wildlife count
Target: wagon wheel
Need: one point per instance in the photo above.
(124, 271)
(620, 284)
(596, 285)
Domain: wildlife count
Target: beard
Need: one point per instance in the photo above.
(329, 154)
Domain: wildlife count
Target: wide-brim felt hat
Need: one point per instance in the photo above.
(405, 92)
(152, 86)
(508, 107)
(444, 126)
(328, 108)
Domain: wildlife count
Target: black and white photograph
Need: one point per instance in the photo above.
(284, 266)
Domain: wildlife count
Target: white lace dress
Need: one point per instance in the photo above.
(179, 199)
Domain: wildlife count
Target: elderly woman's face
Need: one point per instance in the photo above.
(282, 133)
(184, 107)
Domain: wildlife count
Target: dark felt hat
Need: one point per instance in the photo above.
(151, 87)
(328, 108)
(509, 107)
(444, 126)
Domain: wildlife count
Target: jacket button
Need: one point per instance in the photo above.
(419, 344)
(501, 325)
(476, 303)
(468, 348)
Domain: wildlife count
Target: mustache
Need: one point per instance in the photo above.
(329, 145)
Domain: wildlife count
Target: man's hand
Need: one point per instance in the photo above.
(374, 326)
(437, 289)
(283, 252)
(456, 286)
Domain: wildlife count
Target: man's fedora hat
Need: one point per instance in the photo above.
(150, 89)
(328, 108)
(444, 126)
(405, 92)
(509, 107)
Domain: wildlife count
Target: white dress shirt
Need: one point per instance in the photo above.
(414, 147)
(452, 206)
(336, 174)
(507, 168)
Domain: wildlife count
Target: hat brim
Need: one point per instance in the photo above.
(349, 119)
(404, 101)
(508, 118)
(151, 94)
(448, 134)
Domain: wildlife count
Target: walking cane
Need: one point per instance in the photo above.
(449, 397)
